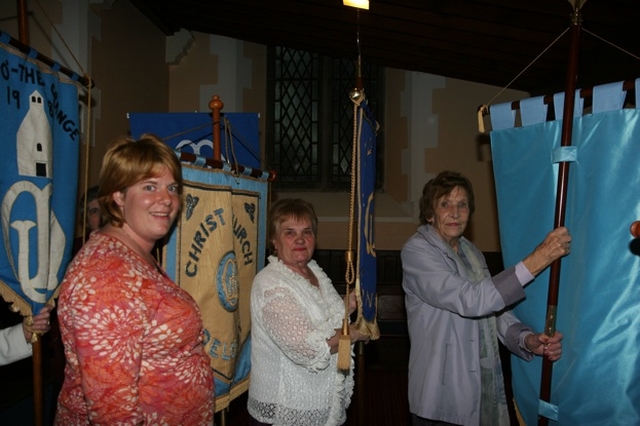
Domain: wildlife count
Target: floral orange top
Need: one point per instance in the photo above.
(133, 343)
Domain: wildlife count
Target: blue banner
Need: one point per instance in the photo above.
(596, 380)
(367, 269)
(40, 139)
(192, 132)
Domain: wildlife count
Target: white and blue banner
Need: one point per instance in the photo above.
(596, 381)
(40, 140)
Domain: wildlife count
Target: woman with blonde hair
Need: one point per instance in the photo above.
(132, 337)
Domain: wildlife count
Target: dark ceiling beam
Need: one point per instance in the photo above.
(486, 41)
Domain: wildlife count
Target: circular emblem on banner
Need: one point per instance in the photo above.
(227, 282)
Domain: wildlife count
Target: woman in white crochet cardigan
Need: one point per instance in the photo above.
(296, 317)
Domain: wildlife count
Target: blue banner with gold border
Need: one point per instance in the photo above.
(366, 280)
(39, 176)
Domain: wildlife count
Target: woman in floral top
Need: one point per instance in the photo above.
(132, 337)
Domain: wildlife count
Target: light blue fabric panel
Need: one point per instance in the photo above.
(502, 116)
(608, 97)
(548, 410)
(533, 111)
(525, 180)
(564, 154)
(597, 381)
(558, 105)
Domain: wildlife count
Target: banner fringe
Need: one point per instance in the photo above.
(17, 304)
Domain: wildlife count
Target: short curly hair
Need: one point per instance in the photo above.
(440, 186)
(288, 208)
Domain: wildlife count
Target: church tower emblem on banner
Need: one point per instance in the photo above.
(34, 141)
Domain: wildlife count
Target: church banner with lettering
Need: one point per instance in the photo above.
(366, 281)
(216, 249)
(38, 178)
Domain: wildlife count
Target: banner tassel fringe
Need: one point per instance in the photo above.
(344, 348)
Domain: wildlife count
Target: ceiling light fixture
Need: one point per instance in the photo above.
(360, 4)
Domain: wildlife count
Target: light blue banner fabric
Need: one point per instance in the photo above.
(502, 116)
(597, 380)
(40, 143)
(608, 97)
(558, 105)
(533, 111)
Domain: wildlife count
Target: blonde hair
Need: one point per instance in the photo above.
(128, 161)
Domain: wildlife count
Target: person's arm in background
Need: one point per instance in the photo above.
(15, 341)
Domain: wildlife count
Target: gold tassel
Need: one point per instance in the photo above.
(481, 110)
(344, 347)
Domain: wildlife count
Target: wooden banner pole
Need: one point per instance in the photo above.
(36, 345)
(561, 200)
(216, 106)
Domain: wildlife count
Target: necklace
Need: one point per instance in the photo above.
(146, 256)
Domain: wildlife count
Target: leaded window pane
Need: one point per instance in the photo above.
(309, 141)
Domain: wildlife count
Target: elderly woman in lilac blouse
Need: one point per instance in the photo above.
(457, 312)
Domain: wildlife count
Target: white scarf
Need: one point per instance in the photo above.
(493, 405)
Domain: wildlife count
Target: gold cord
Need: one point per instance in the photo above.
(86, 161)
(525, 68)
(350, 270)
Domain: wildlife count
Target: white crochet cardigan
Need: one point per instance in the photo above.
(294, 377)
